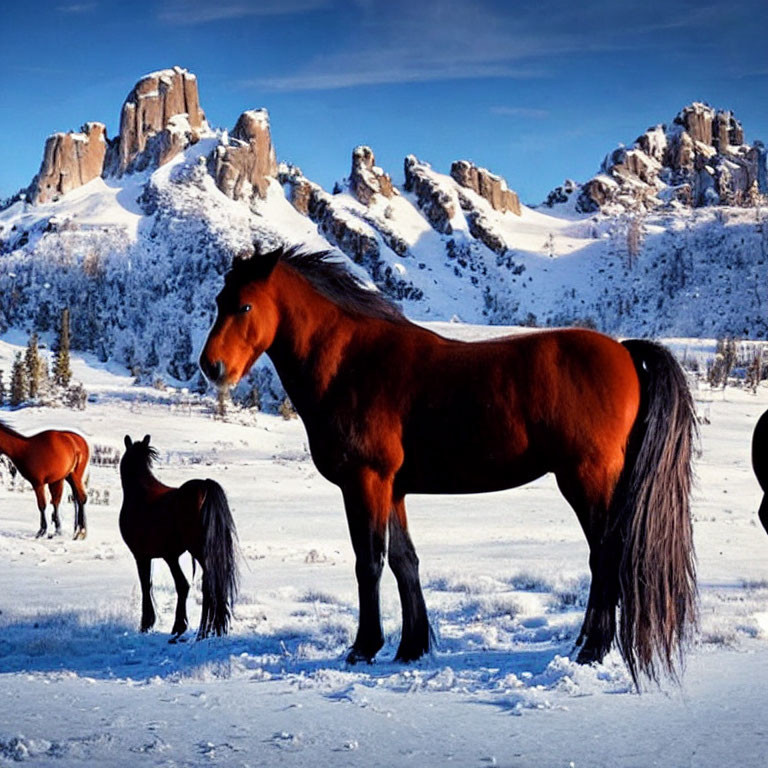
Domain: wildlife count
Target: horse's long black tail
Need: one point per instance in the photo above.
(220, 574)
(657, 576)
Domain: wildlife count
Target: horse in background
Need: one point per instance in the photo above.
(392, 408)
(159, 521)
(760, 464)
(50, 458)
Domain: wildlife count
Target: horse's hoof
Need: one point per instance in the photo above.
(80, 534)
(354, 656)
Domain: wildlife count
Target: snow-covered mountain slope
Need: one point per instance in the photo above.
(138, 255)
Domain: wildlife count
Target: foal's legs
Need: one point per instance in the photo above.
(182, 590)
(56, 489)
(589, 492)
(415, 639)
(368, 501)
(41, 505)
(144, 565)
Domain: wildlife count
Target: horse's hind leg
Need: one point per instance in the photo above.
(368, 502)
(57, 490)
(78, 497)
(41, 505)
(144, 566)
(589, 494)
(415, 639)
(182, 590)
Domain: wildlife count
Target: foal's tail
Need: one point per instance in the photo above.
(657, 575)
(220, 576)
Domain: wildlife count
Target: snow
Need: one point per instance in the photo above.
(505, 579)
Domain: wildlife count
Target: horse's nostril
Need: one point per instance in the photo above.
(214, 371)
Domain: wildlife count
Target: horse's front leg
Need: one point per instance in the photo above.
(144, 565)
(368, 502)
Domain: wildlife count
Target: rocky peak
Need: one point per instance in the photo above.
(437, 204)
(366, 179)
(245, 161)
(699, 159)
(488, 185)
(160, 117)
(69, 161)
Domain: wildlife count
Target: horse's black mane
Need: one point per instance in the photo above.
(143, 455)
(327, 274)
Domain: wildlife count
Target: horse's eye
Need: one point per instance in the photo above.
(245, 308)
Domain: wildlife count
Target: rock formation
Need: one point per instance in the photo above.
(433, 199)
(69, 161)
(486, 184)
(700, 159)
(366, 179)
(160, 117)
(243, 166)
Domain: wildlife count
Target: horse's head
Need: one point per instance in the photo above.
(246, 320)
(138, 455)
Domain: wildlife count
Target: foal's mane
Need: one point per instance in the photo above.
(144, 455)
(327, 274)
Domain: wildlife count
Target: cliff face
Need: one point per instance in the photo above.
(160, 117)
(699, 159)
(488, 185)
(366, 179)
(69, 161)
(243, 165)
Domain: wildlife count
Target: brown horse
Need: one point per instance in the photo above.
(159, 521)
(391, 408)
(760, 464)
(49, 458)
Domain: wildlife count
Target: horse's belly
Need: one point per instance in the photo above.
(477, 474)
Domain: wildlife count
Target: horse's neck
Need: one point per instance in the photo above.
(11, 443)
(312, 335)
(138, 483)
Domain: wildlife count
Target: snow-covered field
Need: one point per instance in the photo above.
(505, 579)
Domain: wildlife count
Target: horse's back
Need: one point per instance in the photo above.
(164, 520)
(494, 414)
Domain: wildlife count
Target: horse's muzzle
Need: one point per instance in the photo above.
(215, 372)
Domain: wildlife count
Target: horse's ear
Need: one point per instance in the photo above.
(263, 264)
(128, 441)
(145, 441)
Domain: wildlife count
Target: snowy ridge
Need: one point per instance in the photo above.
(140, 256)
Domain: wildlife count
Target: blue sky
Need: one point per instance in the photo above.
(536, 91)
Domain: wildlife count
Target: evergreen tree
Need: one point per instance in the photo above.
(19, 384)
(2, 389)
(62, 373)
(32, 365)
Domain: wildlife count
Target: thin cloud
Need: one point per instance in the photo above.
(536, 114)
(437, 40)
(394, 74)
(204, 12)
(77, 8)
